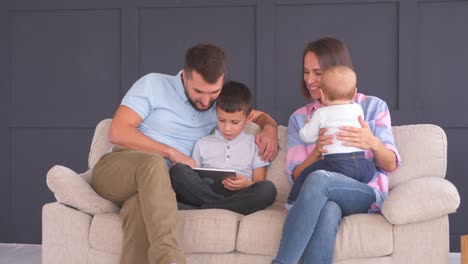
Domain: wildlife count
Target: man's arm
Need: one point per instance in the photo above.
(267, 139)
(124, 132)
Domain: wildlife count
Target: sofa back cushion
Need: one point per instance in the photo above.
(423, 151)
(100, 144)
(276, 172)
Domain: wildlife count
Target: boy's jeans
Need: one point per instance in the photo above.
(311, 225)
(353, 165)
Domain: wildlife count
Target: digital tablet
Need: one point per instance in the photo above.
(214, 178)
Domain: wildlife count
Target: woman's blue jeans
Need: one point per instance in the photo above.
(312, 223)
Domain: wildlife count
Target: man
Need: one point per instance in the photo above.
(156, 125)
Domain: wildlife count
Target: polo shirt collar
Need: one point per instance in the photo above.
(234, 140)
(179, 87)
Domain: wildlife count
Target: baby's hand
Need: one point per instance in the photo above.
(307, 119)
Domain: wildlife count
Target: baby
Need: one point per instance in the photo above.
(338, 88)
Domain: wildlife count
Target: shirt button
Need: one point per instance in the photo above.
(228, 147)
(228, 156)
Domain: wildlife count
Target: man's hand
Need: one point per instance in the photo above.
(178, 157)
(267, 142)
(239, 183)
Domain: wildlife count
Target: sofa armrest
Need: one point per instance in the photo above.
(65, 235)
(420, 200)
(71, 189)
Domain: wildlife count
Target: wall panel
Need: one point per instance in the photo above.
(371, 36)
(66, 65)
(5, 149)
(165, 34)
(34, 152)
(457, 166)
(442, 67)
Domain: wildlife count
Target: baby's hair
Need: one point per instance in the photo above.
(234, 97)
(339, 83)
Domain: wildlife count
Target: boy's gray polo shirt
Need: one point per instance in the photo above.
(240, 153)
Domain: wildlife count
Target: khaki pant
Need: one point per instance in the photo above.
(139, 182)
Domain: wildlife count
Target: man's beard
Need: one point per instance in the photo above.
(194, 105)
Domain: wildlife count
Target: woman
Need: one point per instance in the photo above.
(312, 223)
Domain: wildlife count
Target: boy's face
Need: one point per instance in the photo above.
(231, 124)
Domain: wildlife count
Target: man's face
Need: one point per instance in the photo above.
(231, 124)
(201, 94)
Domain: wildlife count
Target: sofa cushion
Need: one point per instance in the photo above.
(208, 230)
(359, 236)
(71, 189)
(420, 200)
(364, 236)
(260, 232)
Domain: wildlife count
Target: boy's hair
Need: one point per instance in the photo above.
(208, 60)
(339, 83)
(234, 97)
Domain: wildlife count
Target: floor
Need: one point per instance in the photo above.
(31, 254)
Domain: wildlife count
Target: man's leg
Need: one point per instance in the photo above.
(120, 175)
(135, 240)
(257, 197)
(189, 187)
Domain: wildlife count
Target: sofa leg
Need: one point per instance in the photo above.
(464, 249)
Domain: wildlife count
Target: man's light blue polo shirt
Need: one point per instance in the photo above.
(168, 117)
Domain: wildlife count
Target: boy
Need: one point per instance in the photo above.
(228, 148)
(338, 87)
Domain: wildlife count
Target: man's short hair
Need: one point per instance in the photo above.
(234, 97)
(208, 60)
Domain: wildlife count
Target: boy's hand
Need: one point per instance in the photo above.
(239, 183)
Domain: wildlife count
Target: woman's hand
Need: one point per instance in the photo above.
(322, 140)
(362, 138)
(236, 184)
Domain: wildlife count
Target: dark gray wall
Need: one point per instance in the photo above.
(65, 66)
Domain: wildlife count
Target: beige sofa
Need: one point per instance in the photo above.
(84, 228)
